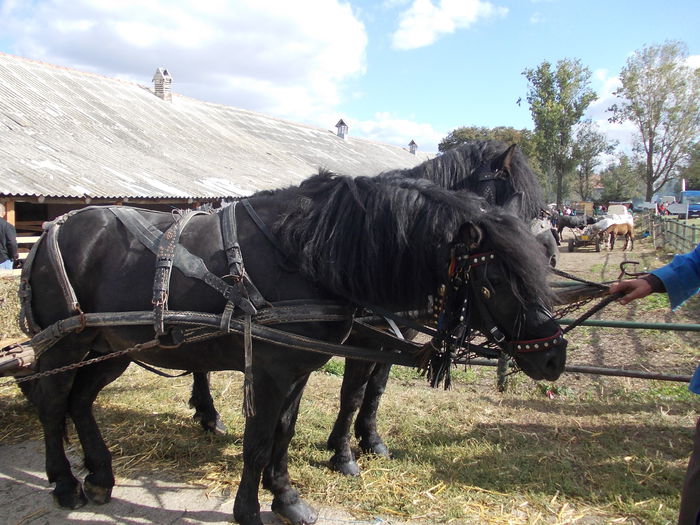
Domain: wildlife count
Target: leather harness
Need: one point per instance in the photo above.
(240, 294)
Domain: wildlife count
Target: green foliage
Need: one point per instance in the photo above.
(691, 172)
(558, 98)
(660, 95)
(622, 181)
(589, 145)
(334, 367)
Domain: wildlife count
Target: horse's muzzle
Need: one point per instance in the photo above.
(547, 364)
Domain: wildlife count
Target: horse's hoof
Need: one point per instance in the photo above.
(217, 427)
(248, 519)
(378, 449)
(96, 494)
(347, 467)
(72, 499)
(298, 513)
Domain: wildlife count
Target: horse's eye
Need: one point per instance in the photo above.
(496, 280)
(485, 292)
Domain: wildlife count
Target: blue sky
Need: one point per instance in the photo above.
(394, 70)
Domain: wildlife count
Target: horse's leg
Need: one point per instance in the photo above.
(357, 374)
(203, 404)
(366, 422)
(51, 396)
(286, 502)
(270, 395)
(88, 383)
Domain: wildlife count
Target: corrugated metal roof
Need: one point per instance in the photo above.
(65, 133)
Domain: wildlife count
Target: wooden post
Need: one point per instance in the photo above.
(10, 210)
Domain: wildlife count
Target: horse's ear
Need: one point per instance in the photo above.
(505, 160)
(514, 204)
(471, 234)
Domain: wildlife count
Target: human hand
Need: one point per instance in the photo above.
(632, 289)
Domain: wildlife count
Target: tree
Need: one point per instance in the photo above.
(622, 180)
(660, 95)
(589, 145)
(691, 172)
(524, 138)
(558, 98)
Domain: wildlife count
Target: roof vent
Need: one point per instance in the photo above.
(412, 147)
(342, 128)
(162, 81)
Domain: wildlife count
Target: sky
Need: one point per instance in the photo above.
(393, 70)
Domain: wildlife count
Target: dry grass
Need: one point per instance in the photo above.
(602, 450)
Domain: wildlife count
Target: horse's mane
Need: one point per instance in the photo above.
(456, 169)
(379, 239)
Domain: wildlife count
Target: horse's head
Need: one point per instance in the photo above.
(492, 180)
(484, 293)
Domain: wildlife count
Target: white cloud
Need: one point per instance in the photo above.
(536, 18)
(424, 22)
(598, 111)
(289, 59)
(390, 129)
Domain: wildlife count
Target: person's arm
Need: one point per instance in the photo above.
(680, 279)
(11, 235)
(637, 288)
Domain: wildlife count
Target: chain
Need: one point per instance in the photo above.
(79, 364)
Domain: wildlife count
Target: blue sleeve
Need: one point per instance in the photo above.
(681, 277)
(695, 381)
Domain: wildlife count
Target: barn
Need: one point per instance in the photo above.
(70, 138)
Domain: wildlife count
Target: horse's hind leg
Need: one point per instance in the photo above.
(366, 422)
(357, 374)
(51, 396)
(203, 405)
(88, 383)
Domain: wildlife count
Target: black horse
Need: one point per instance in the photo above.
(573, 221)
(350, 241)
(491, 169)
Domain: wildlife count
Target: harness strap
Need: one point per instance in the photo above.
(26, 317)
(185, 261)
(60, 269)
(165, 257)
(234, 255)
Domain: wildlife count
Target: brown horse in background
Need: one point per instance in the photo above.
(625, 229)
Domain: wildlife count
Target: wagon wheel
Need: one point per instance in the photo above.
(571, 245)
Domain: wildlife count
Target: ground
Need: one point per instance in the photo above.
(586, 449)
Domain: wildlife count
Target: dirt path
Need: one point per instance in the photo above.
(153, 499)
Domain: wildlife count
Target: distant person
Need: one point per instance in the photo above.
(8, 242)
(680, 279)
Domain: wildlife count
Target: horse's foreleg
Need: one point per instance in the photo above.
(366, 422)
(88, 383)
(357, 374)
(203, 404)
(270, 395)
(286, 503)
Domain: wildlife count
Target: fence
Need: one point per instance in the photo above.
(671, 234)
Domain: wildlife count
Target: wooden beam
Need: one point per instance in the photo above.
(10, 210)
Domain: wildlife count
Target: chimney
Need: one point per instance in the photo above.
(412, 147)
(162, 81)
(342, 128)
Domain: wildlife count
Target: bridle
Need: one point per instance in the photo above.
(468, 289)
